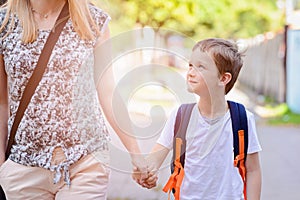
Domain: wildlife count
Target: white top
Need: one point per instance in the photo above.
(64, 110)
(209, 170)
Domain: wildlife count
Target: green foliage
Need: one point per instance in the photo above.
(198, 18)
(284, 116)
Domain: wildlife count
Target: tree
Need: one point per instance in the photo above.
(199, 18)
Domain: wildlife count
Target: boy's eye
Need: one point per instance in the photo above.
(196, 66)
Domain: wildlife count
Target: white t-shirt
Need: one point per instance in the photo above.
(209, 170)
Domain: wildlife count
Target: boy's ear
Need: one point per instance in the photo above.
(225, 78)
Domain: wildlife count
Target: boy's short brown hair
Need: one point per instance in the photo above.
(225, 55)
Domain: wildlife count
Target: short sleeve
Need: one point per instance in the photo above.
(167, 134)
(104, 23)
(253, 142)
(101, 18)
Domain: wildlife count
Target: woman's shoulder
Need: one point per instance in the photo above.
(5, 20)
(98, 13)
(100, 17)
(3, 11)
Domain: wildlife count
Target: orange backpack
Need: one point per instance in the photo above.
(240, 144)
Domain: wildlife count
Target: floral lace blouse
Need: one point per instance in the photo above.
(64, 110)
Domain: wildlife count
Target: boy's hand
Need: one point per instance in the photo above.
(151, 181)
(148, 182)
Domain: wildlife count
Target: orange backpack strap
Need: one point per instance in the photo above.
(177, 164)
(182, 120)
(240, 144)
(240, 138)
(176, 178)
(239, 160)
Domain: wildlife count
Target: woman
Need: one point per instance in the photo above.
(62, 136)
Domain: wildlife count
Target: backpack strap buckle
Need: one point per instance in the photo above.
(238, 158)
(176, 178)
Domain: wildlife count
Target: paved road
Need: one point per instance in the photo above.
(279, 161)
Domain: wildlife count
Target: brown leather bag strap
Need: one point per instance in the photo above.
(38, 73)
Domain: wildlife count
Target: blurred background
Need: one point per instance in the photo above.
(160, 35)
(152, 41)
(266, 30)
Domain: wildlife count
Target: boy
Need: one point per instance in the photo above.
(209, 171)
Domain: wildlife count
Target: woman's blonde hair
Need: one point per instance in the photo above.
(80, 15)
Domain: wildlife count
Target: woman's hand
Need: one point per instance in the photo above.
(149, 182)
(140, 171)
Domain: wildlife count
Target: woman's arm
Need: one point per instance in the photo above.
(253, 177)
(111, 102)
(3, 110)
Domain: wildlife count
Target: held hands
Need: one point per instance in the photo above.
(149, 181)
(140, 165)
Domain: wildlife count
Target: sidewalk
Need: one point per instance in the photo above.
(279, 157)
(280, 166)
(280, 162)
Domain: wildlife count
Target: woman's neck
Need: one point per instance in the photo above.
(45, 12)
(46, 7)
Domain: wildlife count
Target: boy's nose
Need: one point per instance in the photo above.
(191, 72)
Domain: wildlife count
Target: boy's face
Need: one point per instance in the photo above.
(203, 74)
